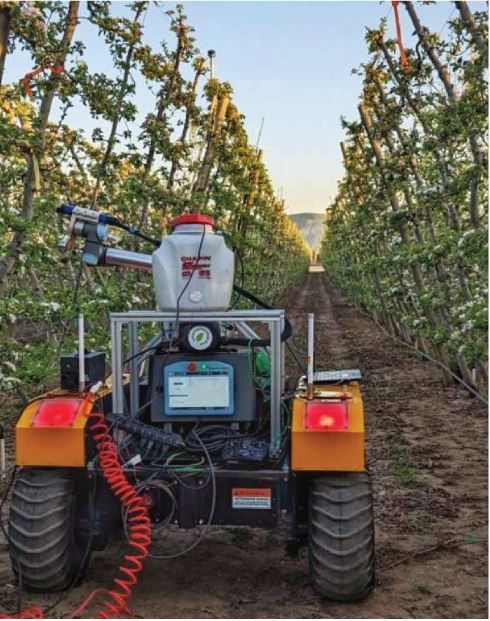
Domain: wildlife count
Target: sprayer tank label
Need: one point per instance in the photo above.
(201, 268)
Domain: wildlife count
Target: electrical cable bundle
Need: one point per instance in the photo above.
(180, 472)
(213, 437)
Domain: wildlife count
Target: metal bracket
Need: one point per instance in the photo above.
(274, 319)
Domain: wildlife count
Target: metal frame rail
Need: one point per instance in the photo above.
(274, 319)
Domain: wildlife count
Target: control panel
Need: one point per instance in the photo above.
(199, 388)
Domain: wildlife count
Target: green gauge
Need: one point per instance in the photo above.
(200, 338)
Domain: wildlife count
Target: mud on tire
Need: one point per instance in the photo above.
(341, 536)
(45, 548)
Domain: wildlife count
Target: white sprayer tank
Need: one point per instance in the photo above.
(202, 279)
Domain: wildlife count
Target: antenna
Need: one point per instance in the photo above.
(81, 352)
(311, 356)
(211, 56)
(260, 134)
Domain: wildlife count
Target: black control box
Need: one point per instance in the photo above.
(94, 369)
(244, 388)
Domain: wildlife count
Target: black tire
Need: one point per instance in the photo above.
(46, 550)
(341, 536)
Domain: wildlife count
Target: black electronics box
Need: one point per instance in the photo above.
(245, 392)
(94, 369)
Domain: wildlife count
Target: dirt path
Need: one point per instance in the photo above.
(427, 448)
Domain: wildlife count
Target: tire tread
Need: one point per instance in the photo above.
(41, 530)
(341, 536)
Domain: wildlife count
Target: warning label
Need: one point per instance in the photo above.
(251, 498)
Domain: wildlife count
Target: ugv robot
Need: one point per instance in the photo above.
(204, 426)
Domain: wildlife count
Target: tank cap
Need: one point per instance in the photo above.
(192, 218)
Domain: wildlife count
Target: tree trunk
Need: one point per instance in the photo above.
(5, 17)
(445, 77)
(423, 35)
(120, 98)
(212, 143)
(470, 23)
(163, 102)
(452, 216)
(441, 164)
(403, 308)
(185, 129)
(401, 137)
(33, 158)
(357, 197)
(440, 276)
(37, 288)
(441, 352)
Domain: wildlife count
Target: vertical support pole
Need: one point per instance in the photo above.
(283, 357)
(275, 334)
(133, 368)
(2, 454)
(116, 359)
(81, 352)
(211, 56)
(311, 354)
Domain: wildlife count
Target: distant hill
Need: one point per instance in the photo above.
(311, 226)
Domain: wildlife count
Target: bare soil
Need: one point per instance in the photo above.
(427, 454)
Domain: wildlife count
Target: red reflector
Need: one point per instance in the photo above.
(327, 416)
(56, 413)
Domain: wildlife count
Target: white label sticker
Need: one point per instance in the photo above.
(251, 498)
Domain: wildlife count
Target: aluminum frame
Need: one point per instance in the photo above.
(274, 319)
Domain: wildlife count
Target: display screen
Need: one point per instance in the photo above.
(199, 391)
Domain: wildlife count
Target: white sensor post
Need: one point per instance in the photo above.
(311, 353)
(81, 352)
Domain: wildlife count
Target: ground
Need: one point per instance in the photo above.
(427, 454)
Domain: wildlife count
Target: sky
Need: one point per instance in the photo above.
(290, 64)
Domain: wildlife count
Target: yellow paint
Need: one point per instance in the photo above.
(56, 446)
(51, 446)
(319, 450)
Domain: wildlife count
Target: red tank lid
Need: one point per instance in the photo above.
(192, 218)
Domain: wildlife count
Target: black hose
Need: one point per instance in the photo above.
(134, 231)
(250, 296)
(243, 341)
(248, 342)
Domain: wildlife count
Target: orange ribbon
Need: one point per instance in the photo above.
(56, 69)
(399, 42)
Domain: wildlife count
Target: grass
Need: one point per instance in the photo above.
(404, 472)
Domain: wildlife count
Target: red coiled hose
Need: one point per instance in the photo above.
(28, 613)
(139, 529)
(139, 524)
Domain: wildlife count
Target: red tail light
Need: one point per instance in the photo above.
(56, 413)
(328, 416)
